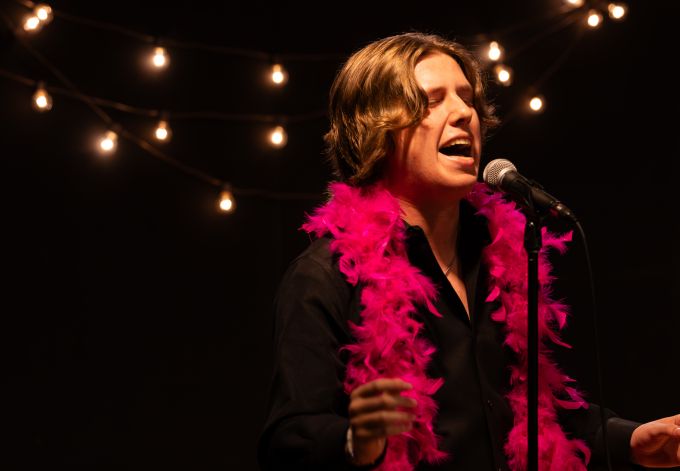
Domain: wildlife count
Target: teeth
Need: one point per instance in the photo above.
(462, 142)
(458, 146)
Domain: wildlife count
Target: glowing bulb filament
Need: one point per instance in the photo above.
(536, 104)
(32, 24)
(227, 203)
(163, 131)
(43, 12)
(494, 52)
(594, 18)
(278, 137)
(160, 58)
(279, 75)
(575, 3)
(503, 74)
(109, 142)
(42, 101)
(617, 11)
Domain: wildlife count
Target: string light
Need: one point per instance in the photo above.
(278, 137)
(227, 203)
(163, 133)
(32, 24)
(537, 104)
(503, 74)
(43, 12)
(160, 58)
(42, 15)
(279, 76)
(494, 53)
(108, 142)
(42, 101)
(594, 18)
(617, 11)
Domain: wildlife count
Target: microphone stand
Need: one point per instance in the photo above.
(532, 244)
(525, 193)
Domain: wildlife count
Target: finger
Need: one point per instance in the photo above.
(657, 429)
(676, 420)
(380, 385)
(381, 419)
(385, 401)
(389, 430)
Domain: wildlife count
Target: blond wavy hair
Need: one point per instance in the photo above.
(376, 93)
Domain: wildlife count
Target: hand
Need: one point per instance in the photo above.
(657, 444)
(374, 416)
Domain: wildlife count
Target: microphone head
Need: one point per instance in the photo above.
(494, 171)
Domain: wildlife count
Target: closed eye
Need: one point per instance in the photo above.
(468, 100)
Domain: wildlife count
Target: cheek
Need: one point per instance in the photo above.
(427, 136)
(421, 149)
(476, 129)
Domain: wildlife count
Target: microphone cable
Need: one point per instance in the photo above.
(598, 363)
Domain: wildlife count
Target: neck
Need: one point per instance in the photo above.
(440, 224)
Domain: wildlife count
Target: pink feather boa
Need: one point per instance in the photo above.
(368, 235)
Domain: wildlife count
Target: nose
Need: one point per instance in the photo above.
(460, 112)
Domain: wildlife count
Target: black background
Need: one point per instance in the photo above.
(137, 318)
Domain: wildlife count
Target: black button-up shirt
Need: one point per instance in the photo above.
(473, 416)
(308, 410)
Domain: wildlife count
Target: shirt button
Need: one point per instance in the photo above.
(489, 403)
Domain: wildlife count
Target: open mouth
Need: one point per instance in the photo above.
(458, 149)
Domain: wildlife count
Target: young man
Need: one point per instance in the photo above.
(401, 331)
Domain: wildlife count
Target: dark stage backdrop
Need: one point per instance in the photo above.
(137, 320)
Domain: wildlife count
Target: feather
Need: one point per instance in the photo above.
(369, 238)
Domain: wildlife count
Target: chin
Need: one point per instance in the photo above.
(461, 186)
(465, 180)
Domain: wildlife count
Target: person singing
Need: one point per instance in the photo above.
(400, 332)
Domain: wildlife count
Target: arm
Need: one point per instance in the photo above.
(308, 425)
(587, 425)
(632, 445)
(308, 420)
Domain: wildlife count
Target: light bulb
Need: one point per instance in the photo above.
(32, 24)
(278, 137)
(227, 203)
(503, 74)
(594, 18)
(42, 101)
(108, 142)
(575, 3)
(536, 104)
(279, 76)
(160, 58)
(495, 51)
(617, 11)
(163, 132)
(43, 12)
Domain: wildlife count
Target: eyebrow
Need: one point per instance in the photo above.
(465, 89)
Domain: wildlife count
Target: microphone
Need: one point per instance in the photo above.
(503, 175)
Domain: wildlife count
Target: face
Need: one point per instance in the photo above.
(439, 157)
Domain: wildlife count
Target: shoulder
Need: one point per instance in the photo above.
(313, 289)
(317, 253)
(315, 272)
(316, 261)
